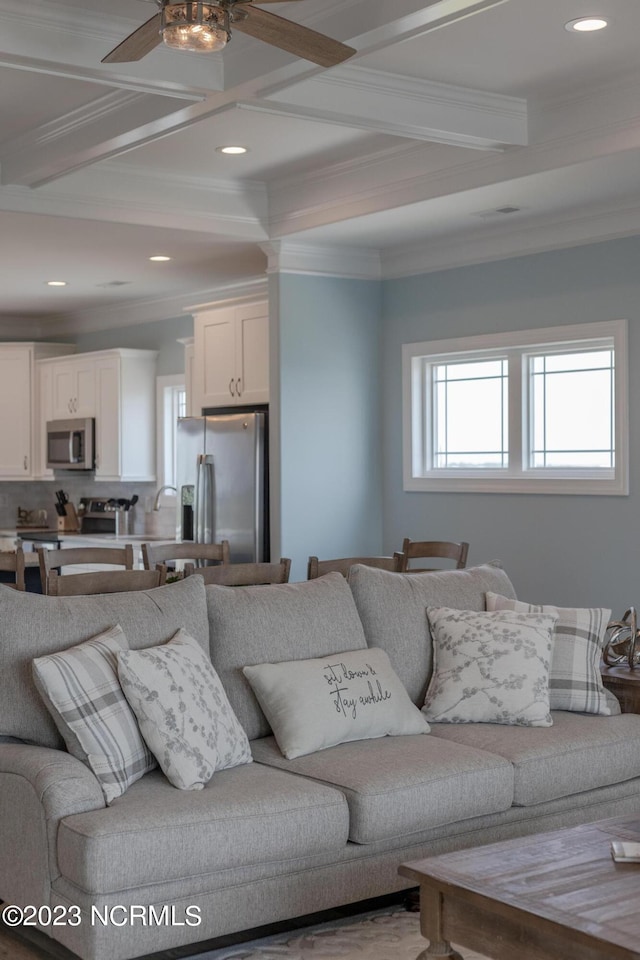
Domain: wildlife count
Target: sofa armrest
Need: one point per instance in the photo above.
(38, 787)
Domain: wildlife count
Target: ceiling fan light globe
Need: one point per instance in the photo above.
(194, 38)
(196, 27)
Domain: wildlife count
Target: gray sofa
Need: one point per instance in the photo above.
(276, 838)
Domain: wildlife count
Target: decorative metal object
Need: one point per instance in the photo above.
(623, 645)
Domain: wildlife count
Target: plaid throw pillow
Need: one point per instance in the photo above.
(81, 690)
(575, 682)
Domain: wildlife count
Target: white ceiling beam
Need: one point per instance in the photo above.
(403, 107)
(597, 123)
(28, 33)
(97, 129)
(411, 18)
(220, 208)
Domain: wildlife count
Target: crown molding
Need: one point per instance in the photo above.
(321, 260)
(381, 83)
(146, 311)
(401, 106)
(236, 211)
(246, 291)
(551, 233)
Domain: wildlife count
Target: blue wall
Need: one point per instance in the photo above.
(325, 393)
(557, 549)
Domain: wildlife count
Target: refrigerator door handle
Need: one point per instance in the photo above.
(204, 520)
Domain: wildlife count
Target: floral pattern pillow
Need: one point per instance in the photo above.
(490, 667)
(183, 711)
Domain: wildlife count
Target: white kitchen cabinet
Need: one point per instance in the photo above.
(73, 388)
(19, 425)
(122, 395)
(231, 356)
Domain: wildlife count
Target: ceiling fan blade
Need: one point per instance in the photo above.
(138, 44)
(293, 37)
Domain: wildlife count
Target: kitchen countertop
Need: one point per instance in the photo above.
(62, 538)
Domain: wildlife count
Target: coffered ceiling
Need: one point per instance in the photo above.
(461, 131)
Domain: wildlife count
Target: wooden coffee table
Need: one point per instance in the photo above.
(551, 896)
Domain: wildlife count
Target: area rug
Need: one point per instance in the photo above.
(379, 935)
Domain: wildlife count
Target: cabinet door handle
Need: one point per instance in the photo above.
(26, 463)
(239, 387)
(75, 404)
(69, 406)
(231, 387)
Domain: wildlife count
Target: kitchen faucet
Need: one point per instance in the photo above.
(156, 502)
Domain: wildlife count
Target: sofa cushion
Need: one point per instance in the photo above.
(392, 607)
(315, 704)
(490, 667)
(34, 626)
(184, 714)
(81, 690)
(578, 753)
(575, 681)
(244, 816)
(397, 786)
(289, 621)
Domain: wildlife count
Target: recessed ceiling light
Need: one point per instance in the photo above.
(159, 259)
(586, 24)
(56, 283)
(233, 151)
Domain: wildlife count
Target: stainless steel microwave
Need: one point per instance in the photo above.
(70, 444)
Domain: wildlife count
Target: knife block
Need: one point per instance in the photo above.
(69, 523)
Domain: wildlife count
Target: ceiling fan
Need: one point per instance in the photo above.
(200, 26)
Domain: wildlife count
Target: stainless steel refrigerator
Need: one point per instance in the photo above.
(222, 483)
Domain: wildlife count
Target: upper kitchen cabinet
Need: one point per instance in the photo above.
(73, 386)
(117, 388)
(231, 356)
(19, 427)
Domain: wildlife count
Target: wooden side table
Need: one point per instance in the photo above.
(625, 685)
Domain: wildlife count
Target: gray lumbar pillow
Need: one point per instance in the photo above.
(318, 703)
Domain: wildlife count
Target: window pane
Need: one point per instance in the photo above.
(571, 411)
(471, 415)
(572, 460)
(578, 361)
(469, 370)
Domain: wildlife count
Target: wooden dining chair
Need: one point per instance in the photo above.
(104, 581)
(54, 560)
(243, 574)
(12, 561)
(155, 553)
(431, 550)
(317, 568)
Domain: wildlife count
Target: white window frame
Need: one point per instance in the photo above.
(166, 386)
(517, 478)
